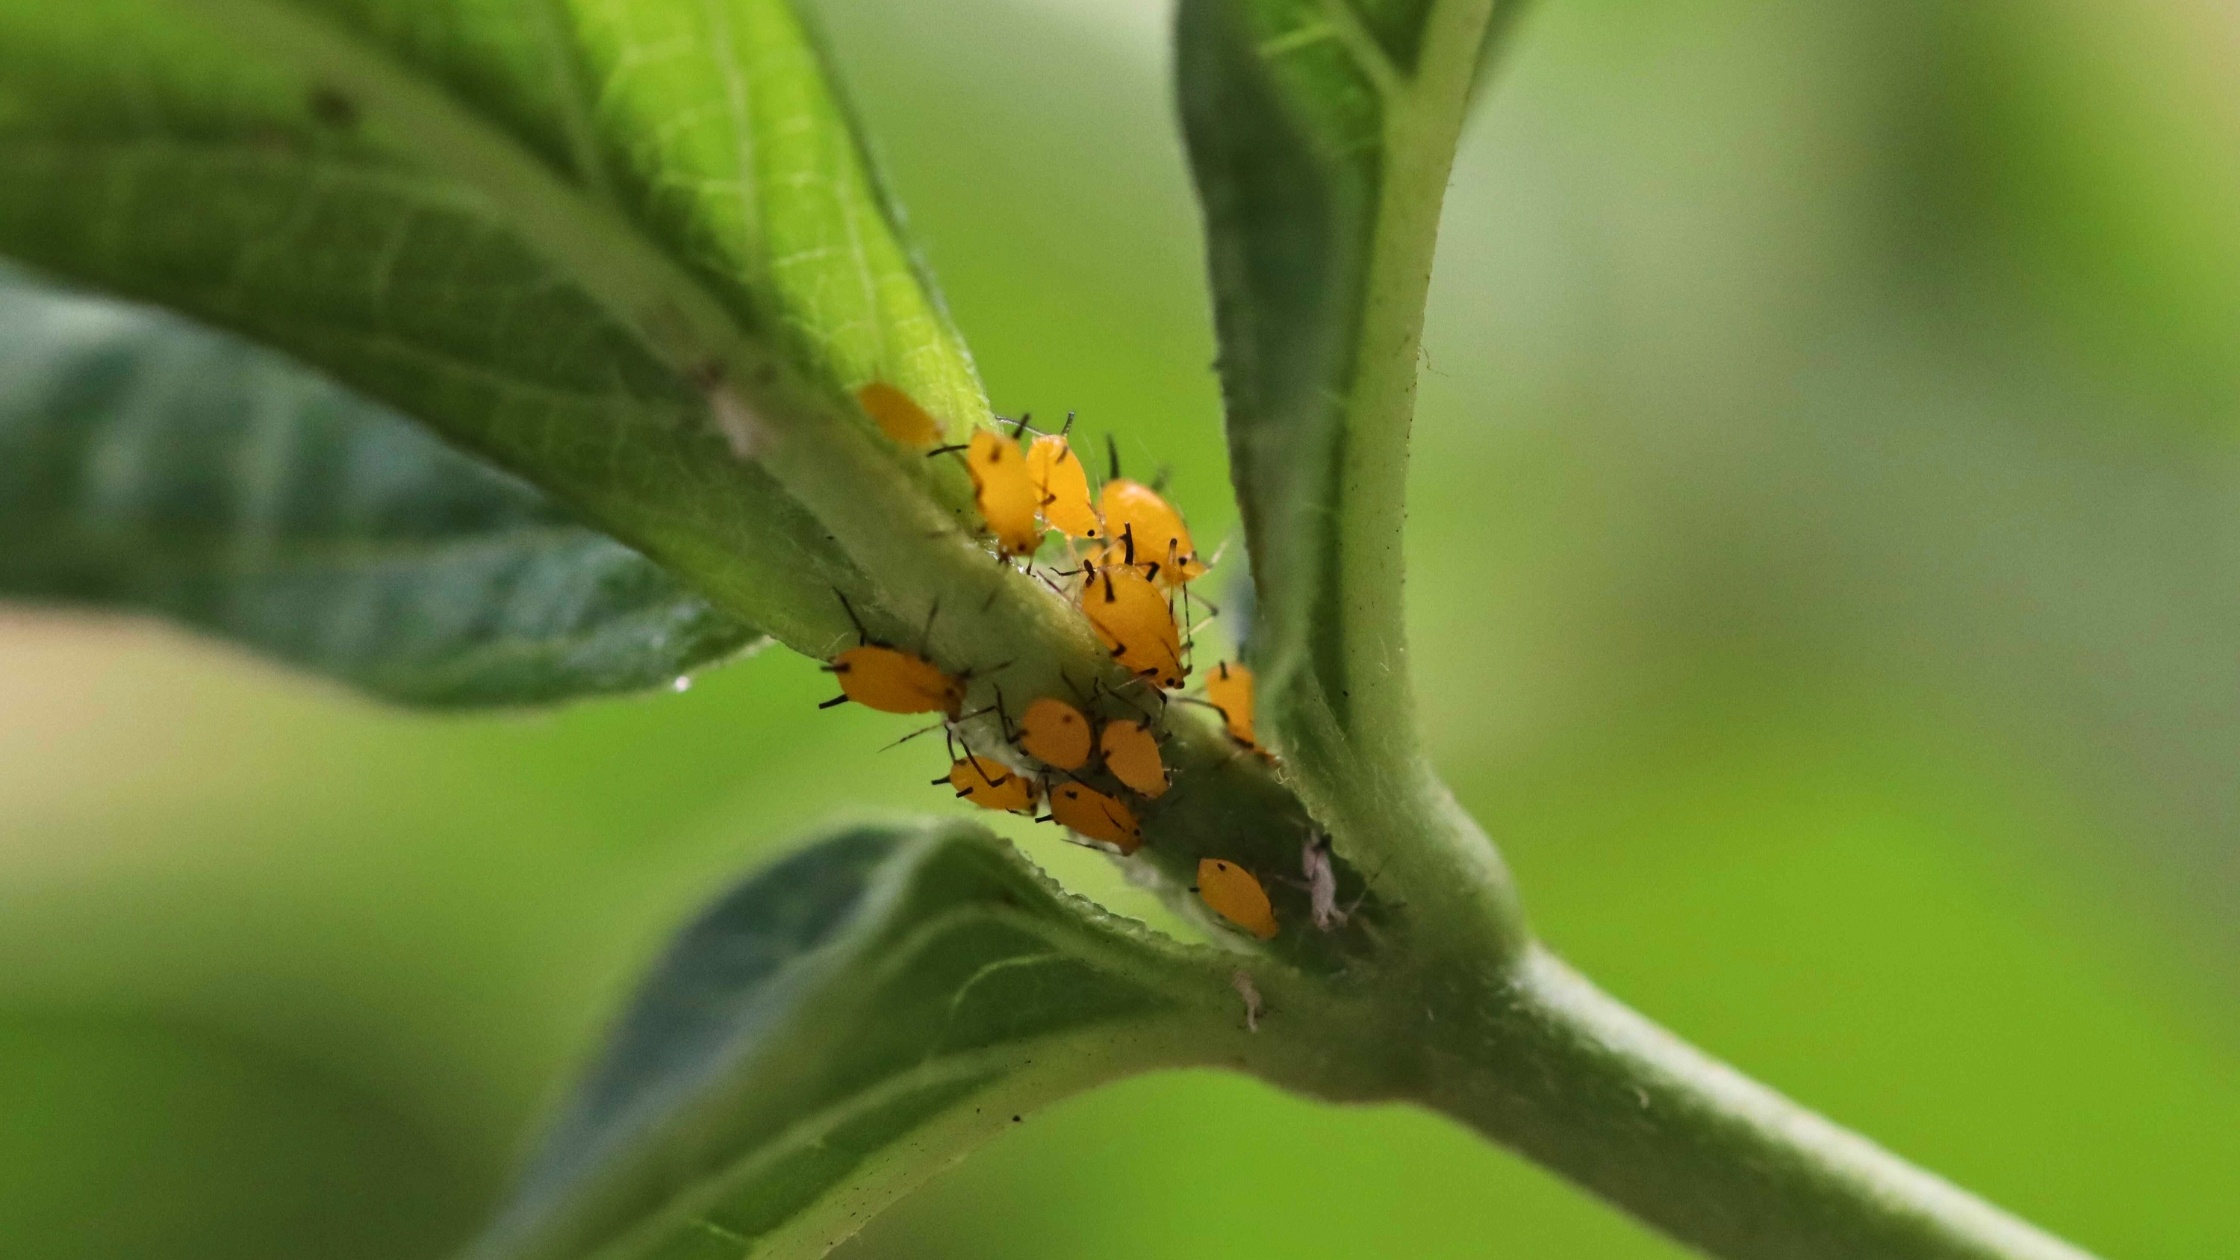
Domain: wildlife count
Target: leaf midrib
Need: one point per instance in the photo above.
(619, 266)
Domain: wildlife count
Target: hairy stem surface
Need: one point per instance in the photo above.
(1558, 1070)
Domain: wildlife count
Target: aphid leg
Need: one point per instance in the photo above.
(833, 701)
(1189, 634)
(950, 449)
(1021, 427)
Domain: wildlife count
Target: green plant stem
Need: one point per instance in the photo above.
(1542, 1061)
(1359, 757)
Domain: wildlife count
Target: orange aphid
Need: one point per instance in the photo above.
(1061, 487)
(1131, 753)
(898, 415)
(1230, 891)
(1090, 813)
(1005, 493)
(894, 681)
(1135, 623)
(1229, 689)
(1054, 733)
(1144, 530)
(990, 784)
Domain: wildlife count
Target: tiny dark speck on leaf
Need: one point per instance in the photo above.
(330, 106)
(1015, 1120)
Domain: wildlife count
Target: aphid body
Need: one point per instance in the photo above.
(1232, 892)
(1005, 492)
(894, 681)
(1054, 733)
(1096, 816)
(990, 784)
(898, 415)
(1322, 883)
(1135, 623)
(1131, 753)
(1143, 529)
(1061, 487)
(1229, 689)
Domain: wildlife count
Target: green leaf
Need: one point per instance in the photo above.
(1321, 134)
(608, 244)
(150, 465)
(838, 1027)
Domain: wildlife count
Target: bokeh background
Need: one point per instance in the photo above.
(1826, 585)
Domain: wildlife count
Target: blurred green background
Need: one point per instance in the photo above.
(1826, 582)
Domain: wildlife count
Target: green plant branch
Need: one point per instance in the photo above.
(1550, 1065)
(1511, 1041)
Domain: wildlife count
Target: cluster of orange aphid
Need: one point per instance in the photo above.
(1139, 558)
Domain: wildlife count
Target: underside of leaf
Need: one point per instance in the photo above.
(148, 465)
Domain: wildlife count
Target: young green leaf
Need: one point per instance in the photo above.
(1321, 133)
(149, 465)
(838, 1027)
(620, 247)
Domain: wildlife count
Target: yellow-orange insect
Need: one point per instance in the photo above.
(1054, 733)
(1135, 623)
(898, 415)
(990, 784)
(1096, 816)
(1144, 530)
(1061, 487)
(1232, 892)
(1004, 491)
(894, 681)
(884, 677)
(1229, 689)
(1131, 753)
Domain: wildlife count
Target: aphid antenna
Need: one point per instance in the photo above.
(972, 759)
(1159, 480)
(1068, 425)
(1139, 710)
(1220, 551)
(1066, 676)
(987, 672)
(841, 699)
(949, 448)
(923, 730)
(925, 639)
(1112, 455)
(1009, 733)
(863, 636)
